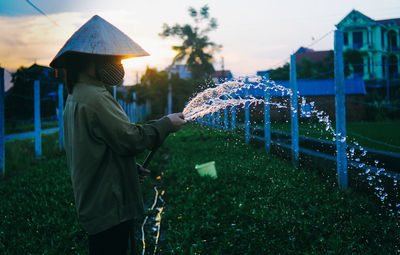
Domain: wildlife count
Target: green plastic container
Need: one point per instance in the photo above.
(207, 169)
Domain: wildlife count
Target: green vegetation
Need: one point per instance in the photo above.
(38, 214)
(258, 205)
(12, 128)
(37, 209)
(153, 86)
(261, 205)
(357, 132)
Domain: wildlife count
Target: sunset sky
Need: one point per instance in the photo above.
(255, 34)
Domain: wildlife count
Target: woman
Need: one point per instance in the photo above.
(100, 141)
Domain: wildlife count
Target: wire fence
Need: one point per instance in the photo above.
(344, 155)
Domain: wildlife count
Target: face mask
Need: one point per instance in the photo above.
(111, 74)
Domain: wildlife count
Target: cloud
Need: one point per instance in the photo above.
(29, 39)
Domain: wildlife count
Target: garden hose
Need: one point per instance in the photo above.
(148, 158)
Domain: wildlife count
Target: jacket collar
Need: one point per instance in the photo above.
(87, 79)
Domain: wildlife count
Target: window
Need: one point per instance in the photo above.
(369, 65)
(392, 40)
(346, 38)
(357, 40)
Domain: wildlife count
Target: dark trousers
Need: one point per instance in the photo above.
(111, 241)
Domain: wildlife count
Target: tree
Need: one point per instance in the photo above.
(19, 100)
(280, 73)
(307, 69)
(196, 47)
(354, 63)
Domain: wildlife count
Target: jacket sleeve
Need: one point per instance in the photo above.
(111, 126)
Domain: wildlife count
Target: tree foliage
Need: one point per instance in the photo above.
(19, 99)
(196, 47)
(353, 63)
(154, 87)
(353, 60)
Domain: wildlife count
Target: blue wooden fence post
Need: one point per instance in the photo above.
(226, 118)
(134, 111)
(115, 92)
(217, 120)
(341, 144)
(267, 121)
(247, 121)
(2, 132)
(213, 120)
(169, 98)
(38, 132)
(233, 118)
(61, 116)
(209, 120)
(294, 120)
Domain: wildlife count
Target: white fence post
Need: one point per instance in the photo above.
(218, 120)
(267, 121)
(169, 98)
(61, 116)
(341, 145)
(2, 131)
(233, 118)
(294, 120)
(226, 118)
(134, 111)
(247, 121)
(38, 132)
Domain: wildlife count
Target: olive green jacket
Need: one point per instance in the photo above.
(101, 144)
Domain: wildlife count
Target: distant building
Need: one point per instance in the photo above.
(181, 70)
(313, 56)
(303, 54)
(19, 98)
(49, 79)
(378, 39)
(264, 73)
(221, 76)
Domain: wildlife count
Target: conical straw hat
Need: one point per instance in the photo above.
(98, 37)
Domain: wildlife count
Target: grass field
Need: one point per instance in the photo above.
(261, 205)
(20, 128)
(258, 204)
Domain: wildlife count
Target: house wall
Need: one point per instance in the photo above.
(374, 44)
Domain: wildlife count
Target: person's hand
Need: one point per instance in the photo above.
(178, 120)
(143, 173)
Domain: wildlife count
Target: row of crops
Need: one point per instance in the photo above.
(258, 204)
